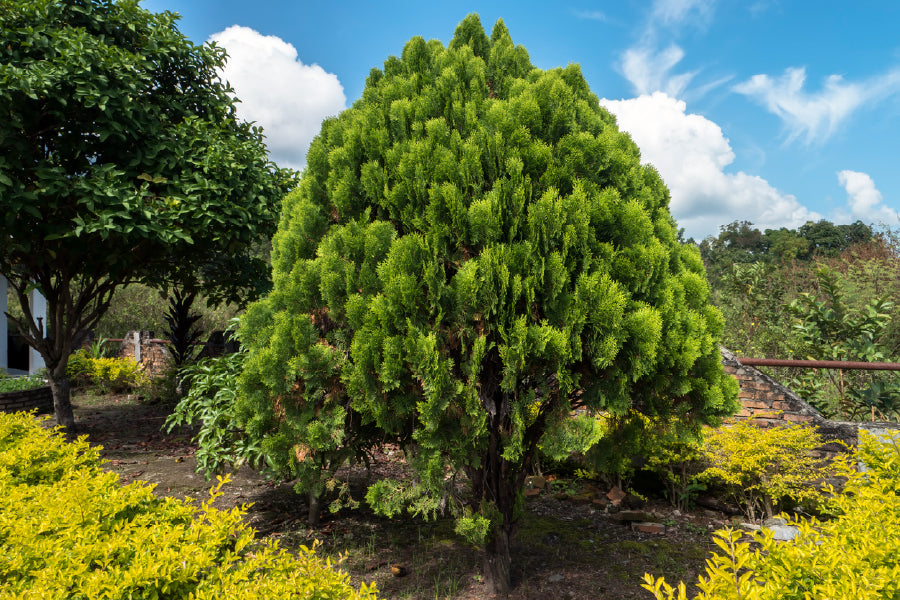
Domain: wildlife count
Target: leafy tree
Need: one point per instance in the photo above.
(785, 245)
(828, 238)
(828, 329)
(120, 157)
(474, 251)
(738, 242)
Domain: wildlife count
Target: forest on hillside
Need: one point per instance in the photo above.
(821, 291)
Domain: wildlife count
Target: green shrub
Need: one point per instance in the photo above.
(69, 529)
(762, 468)
(615, 453)
(856, 555)
(80, 368)
(18, 384)
(210, 404)
(99, 348)
(677, 458)
(162, 387)
(829, 327)
(616, 447)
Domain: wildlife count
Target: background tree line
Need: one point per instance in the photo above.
(821, 291)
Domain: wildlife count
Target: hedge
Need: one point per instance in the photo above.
(853, 555)
(69, 529)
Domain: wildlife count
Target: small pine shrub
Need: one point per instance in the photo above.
(69, 529)
(855, 555)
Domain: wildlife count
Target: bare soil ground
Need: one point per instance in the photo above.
(568, 545)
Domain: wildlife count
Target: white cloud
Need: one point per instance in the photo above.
(816, 116)
(287, 98)
(675, 12)
(649, 71)
(864, 201)
(591, 15)
(691, 154)
(649, 68)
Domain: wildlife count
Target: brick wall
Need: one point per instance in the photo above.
(767, 403)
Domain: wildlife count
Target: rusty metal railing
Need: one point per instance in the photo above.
(819, 364)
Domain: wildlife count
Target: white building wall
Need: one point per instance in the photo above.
(39, 310)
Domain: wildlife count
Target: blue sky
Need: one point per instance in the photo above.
(767, 111)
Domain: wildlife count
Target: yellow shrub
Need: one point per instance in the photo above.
(855, 556)
(115, 375)
(761, 468)
(69, 529)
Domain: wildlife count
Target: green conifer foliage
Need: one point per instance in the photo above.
(474, 251)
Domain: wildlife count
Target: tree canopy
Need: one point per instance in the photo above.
(740, 242)
(474, 251)
(121, 159)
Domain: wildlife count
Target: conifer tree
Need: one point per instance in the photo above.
(474, 251)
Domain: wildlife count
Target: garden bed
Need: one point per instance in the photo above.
(40, 398)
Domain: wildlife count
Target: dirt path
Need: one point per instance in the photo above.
(565, 548)
(136, 448)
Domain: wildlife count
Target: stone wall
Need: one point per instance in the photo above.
(40, 398)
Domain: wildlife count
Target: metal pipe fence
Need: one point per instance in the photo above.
(819, 364)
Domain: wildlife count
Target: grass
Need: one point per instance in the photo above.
(90, 397)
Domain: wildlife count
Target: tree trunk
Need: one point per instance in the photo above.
(62, 402)
(496, 562)
(315, 509)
